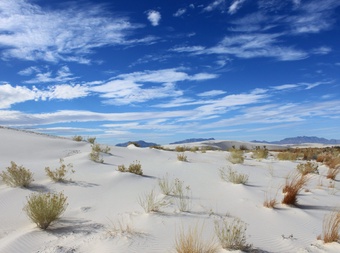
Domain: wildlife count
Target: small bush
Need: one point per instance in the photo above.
(260, 153)
(331, 227)
(135, 168)
(233, 177)
(77, 138)
(231, 234)
(150, 203)
(194, 149)
(292, 187)
(180, 149)
(59, 174)
(287, 155)
(17, 176)
(236, 156)
(91, 140)
(96, 157)
(182, 157)
(192, 242)
(45, 208)
(306, 168)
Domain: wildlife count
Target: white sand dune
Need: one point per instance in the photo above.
(100, 196)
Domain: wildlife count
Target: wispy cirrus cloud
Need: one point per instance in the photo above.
(236, 4)
(30, 32)
(41, 76)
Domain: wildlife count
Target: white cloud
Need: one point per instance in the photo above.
(322, 50)
(62, 75)
(11, 95)
(30, 32)
(211, 93)
(154, 17)
(216, 4)
(180, 12)
(233, 8)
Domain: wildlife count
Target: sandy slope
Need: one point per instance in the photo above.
(100, 196)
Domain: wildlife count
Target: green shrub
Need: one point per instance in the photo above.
(233, 177)
(135, 168)
(236, 156)
(59, 174)
(45, 208)
(180, 149)
(96, 157)
(231, 234)
(91, 140)
(17, 176)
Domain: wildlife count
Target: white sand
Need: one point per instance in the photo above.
(100, 195)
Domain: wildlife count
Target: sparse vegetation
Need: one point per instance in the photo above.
(135, 168)
(232, 234)
(232, 176)
(77, 138)
(45, 208)
(165, 185)
(235, 156)
(308, 167)
(181, 149)
(149, 202)
(182, 157)
(59, 174)
(91, 140)
(192, 242)
(294, 183)
(287, 155)
(270, 202)
(332, 173)
(96, 157)
(331, 227)
(17, 176)
(260, 153)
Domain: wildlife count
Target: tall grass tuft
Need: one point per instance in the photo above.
(331, 227)
(232, 176)
(235, 156)
(294, 183)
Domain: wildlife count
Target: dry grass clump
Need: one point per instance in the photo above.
(96, 157)
(77, 138)
(260, 153)
(294, 183)
(287, 155)
(17, 176)
(192, 242)
(150, 203)
(182, 193)
(232, 176)
(331, 227)
(59, 174)
(165, 185)
(332, 173)
(181, 148)
(135, 168)
(182, 157)
(91, 140)
(270, 202)
(232, 234)
(308, 167)
(45, 208)
(236, 156)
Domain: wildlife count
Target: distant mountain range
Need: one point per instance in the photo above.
(302, 139)
(193, 140)
(140, 143)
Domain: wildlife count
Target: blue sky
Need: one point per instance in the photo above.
(167, 70)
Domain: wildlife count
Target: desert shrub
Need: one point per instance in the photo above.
(17, 176)
(135, 168)
(306, 168)
(243, 147)
(232, 234)
(96, 147)
(260, 153)
(77, 138)
(165, 185)
(333, 162)
(96, 157)
(45, 208)
(149, 202)
(287, 155)
(182, 157)
(192, 242)
(331, 227)
(121, 226)
(180, 149)
(270, 202)
(59, 174)
(294, 183)
(194, 149)
(235, 156)
(232, 176)
(91, 140)
(332, 173)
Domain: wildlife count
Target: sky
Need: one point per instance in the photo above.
(168, 70)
